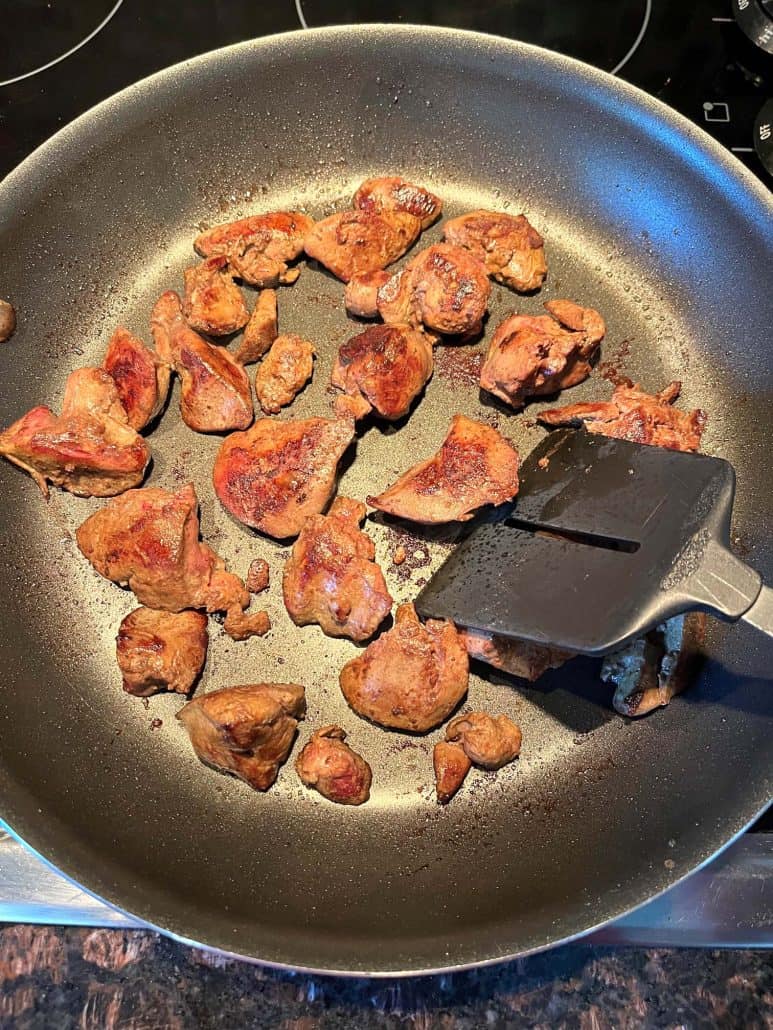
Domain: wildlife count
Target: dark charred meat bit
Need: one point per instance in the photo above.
(278, 473)
(148, 540)
(361, 293)
(259, 248)
(518, 657)
(391, 193)
(247, 731)
(443, 288)
(473, 739)
(284, 372)
(212, 303)
(410, 678)
(637, 416)
(161, 650)
(140, 376)
(331, 577)
(215, 394)
(451, 766)
(90, 449)
(352, 243)
(257, 576)
(384, 369)
(241, 625)
(261, 330)
(329, 765)
(510, 248)
(530, 355)
(7, 321)
(475, 466)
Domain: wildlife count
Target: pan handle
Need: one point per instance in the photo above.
(760, 615)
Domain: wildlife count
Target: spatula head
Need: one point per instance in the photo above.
(606, 539)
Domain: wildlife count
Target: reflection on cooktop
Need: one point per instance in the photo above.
(38, 34)
(601, 32)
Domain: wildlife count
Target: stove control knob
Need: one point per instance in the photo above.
(763, 135)
(756, 19)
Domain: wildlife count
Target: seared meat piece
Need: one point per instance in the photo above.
(261, 330)
(473, 739)
(410, 678)
(354, 242)
(247, 730)
(277, 473)
(474, 466)
(637, 416)
(653, 669)
(148, 540)
(361, 293)
(140, 376)
(391, 193)
(241, 625)
(161, 650)
(443, 287)
(284, 372)
(451, 766)
(531, 355)
(383, 368)
(90, 449)
(519, 657)
(212, 303)
(7, 321)
(330, 766)
(257, 576)
(510, 248)
(259, 247)
(215, 394)
(331, 576)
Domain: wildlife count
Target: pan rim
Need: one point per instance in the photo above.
(36, 165)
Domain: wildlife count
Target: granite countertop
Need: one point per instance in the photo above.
(138, 980)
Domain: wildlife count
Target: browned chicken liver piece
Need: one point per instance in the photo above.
(475, 466)
(391, 193)
(7, 321)
(329, 765)
(351, 243)
(518, 657)
(90, 449)
(488, 741)
(284, 372)
(411, 677)
(451, 766)
(247, 730)
(241, 625)
(508, 245)
(384, 368)
(261, 330)
(140, 376)
(278, 473)
(161, 650)
(361, 293)
(148, 540)
(331, 577)
(530, 355)
(257, 576)
(259, 248)
(443, 288)
(213, 303)
(215, 394)
(637, 416)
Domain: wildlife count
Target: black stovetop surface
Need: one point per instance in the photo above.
(691, 54)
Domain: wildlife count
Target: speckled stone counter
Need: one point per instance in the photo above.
(136, 980)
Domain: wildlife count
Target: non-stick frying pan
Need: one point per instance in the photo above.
(646, 219)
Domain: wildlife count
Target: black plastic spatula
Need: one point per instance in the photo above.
(605, 540)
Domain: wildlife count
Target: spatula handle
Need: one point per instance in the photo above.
(760, 615)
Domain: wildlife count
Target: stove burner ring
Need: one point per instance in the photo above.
(67, 53)
(618, 67)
